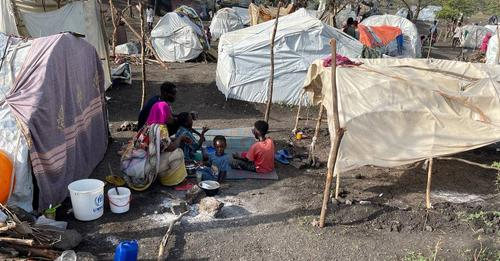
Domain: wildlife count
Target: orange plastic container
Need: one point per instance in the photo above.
(7, 179)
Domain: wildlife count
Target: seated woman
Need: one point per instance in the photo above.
(152, 153)
(185, 121)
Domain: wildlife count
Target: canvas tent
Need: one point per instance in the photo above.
(34, 18)
(385, 39)
(243, 13)
(411, 39)
(407, 110)
(176, 38)
(225, 20)
(492, 55)
(474, 35)
(244, 59)
(428, 13)
(52, 114)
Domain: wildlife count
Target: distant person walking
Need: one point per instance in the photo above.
(150, 16)
(349, 27)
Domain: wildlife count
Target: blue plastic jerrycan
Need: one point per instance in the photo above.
(127, 251)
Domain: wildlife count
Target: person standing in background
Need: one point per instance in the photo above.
(150, 17)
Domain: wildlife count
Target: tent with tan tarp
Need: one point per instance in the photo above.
(408, 110)
(38, 18)
(259, 13)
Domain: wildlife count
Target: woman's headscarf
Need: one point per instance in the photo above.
(159, 114)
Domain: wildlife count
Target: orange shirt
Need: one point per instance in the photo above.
(262, 154)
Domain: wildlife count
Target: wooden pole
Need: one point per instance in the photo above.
(498, 44)
(271, 78)
(312, 159)
(339, 132)
(164, 240)
(430, 47)
(428, 189)
(295, 129)
(113, 20)
(143, 50)
(129, 4)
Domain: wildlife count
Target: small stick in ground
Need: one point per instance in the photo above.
(164, 240)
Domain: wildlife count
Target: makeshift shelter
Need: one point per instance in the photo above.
(386, 39)
(225, 20)
(30, 18)
(244, 58)
(473, 36)
(243, 13)
(411, 39)
(492, 54)
(428, 13)
(259, 13)
(52, 114)
(404, 111)
(177, 38)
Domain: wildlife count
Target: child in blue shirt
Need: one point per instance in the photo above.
(218, 162)
(185, 121)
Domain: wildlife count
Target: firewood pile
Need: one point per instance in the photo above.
(21, 238)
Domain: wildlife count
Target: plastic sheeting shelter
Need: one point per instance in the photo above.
(177, 39)
(428, 13)
(52, 115)
(408, 110)
(243, 13)
(412, 47)
(35, 19)
(244, 58)
(492, 52)
(474, 35)
(225, 20)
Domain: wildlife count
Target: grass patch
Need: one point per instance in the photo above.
(481, 218)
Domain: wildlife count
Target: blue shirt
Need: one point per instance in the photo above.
(221, 162)
(188, 149)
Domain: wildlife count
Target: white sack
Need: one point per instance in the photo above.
(127, 49)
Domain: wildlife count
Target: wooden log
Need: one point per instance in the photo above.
(7, 227)
(148, 43)
(428, 189)
(271, 77)
(143, 55)
(17, 241)
(164, 240)
(339, 132)
(113, 20)
(36, 252)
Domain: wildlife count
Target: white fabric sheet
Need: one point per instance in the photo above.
(492, 52)
(244, 57)
(176, 38)
(225, 20)
(412, 48)
(407, 110)
(243, 13)
(7, 18)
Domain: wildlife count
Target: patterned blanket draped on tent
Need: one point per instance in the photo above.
(59, 97)
(260, 13)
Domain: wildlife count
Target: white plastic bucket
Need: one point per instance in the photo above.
(87, 198)
(119, 203)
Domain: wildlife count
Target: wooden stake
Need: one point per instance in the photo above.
(430, 46)
(312, 159)
(339, 132)
(295, 129)
(498, 44)
(113, 20)
(164, 240)
(143, 50)
(271, 78)
(131, 14)
(428, 189)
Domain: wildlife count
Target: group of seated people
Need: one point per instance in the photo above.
(165, 142)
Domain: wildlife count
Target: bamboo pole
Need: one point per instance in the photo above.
(148, 43)
(113, 20)
(143, 50)
(428, 189)
(271, 78)
(339, 132)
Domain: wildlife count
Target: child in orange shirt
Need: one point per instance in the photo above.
(260, 157)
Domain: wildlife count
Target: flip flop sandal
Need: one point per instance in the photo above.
(285, 154)
(115, 180)
(281, 159)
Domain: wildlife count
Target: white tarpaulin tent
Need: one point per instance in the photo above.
(225, 20)
(474, 35)
(428, 13)
(492, 56)
(243, 13)
(412, 47)
(81, 17)
(244, 58)
(408, 110)
(177, 39)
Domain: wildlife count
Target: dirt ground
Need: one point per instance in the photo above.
(380, 216)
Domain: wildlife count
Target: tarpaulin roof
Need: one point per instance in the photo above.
(244, 57)
(374, 36)
(225, 20)
(260, 13)
(407, 110)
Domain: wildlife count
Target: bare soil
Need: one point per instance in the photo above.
(271, 220)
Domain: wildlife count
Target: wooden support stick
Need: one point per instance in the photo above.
(295, 129)
(428, 189)
(469, 162)
(113, 20)
(148, 43)
(271, 78)
(164, 240)
(143, 50)
(17, 241)
(339, 132)
(430, 47)
(312, 159)
(312, 119)
(498, 44)
(131, 14)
